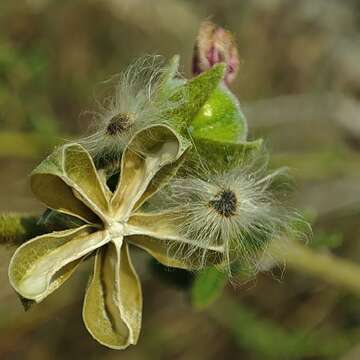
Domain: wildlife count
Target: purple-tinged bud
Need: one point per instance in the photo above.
(215, 45)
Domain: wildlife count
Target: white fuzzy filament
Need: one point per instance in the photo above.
(245, 226)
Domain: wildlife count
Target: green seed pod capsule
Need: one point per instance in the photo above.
(220, 119)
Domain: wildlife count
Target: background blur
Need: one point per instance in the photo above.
(299, 84)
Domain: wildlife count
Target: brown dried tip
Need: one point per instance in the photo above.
(215, 45)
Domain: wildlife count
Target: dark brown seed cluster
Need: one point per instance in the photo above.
(224, 203)
(118, 124)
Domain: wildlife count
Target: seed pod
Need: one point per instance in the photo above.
(142, 96)
(238, 208)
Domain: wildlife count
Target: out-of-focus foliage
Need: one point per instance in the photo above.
(207, 287)
(299, 85)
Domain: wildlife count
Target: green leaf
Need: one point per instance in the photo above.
(207, 287)
(193, 95)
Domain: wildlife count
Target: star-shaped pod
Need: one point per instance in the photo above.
(68, 182)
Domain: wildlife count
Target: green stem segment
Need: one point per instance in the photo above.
(26, 145)
(323, 265)
(15, 229)
(269, 340)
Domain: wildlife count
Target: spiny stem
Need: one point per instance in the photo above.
(334, 270)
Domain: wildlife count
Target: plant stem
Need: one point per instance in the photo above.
(323, 265)
(15, 229)
(26, 145)
(270, 340)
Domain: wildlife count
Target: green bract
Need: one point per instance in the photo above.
(210, 113)
(68, 182)
(193, 94)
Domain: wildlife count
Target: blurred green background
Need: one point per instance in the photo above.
(299, 84)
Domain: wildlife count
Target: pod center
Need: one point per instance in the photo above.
(119, 123)
(225, 203)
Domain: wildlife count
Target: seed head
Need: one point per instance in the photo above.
(139, 97)
(119, 124)
(225, 203)
(238, 209)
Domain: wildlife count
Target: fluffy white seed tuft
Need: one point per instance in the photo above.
(239, 209)
(141, 96)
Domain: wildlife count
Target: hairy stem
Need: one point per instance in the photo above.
(15, 229)
(26, 145)
(270, 340)
(332, 269)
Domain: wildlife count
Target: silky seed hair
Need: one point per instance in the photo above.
(238, 208)
(140, 97)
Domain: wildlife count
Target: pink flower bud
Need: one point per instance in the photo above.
(215, 45)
